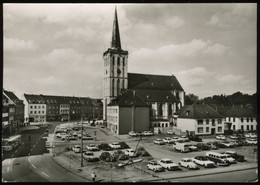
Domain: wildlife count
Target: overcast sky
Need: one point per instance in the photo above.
(57, 49)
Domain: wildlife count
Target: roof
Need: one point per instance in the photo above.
(239, 111)
(116, 43)
(156, 95)
(148, 81)
(12, 97)
(196, 111)
(33, 98)
(128, 99)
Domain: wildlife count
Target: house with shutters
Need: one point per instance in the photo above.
(162, 94)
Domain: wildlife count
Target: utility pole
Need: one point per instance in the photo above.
(81, 142)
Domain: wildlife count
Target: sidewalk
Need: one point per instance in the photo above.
(28, 128)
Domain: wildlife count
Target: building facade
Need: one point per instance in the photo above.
(199, 119)
(163, 94)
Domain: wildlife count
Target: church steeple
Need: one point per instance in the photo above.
(116, 43)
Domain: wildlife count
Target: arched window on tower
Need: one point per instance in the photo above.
(118, 87)
(118, 61)
(113, 60)
(123, 61)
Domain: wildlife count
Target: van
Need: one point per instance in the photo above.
(182, 147)
(217, 158)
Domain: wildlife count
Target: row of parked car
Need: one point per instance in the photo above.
(68, 133)
(211, 159)
(144, 133)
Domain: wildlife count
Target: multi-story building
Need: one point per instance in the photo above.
(199, 119)
(97, 110)
(64, 108)
(13, 112)
(87, 108)
(35, 108)
(164, 94)
(52, 108)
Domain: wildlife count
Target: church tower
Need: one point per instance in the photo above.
(115, 68)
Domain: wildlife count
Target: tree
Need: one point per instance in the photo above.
(190, 99)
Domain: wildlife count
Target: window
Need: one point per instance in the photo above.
(234, 119)
(234, 127)
(118, 61)
(35, 112)
(31, 107)
(247, 119)
(155, 125)
(39, 106)
(123, 61)
(252, 119)
(35, 107)
(219, 121)
(219, 129)
(162, 124)
(43, 107)
(207, 129)
(228, 118)
(200, 122)
(39, 112)
(213, 122)
(31, 112)
(252, 127)
(242, 120)
(113, 60)
(207, 121)
(247, 127)
(166, 124)
(200, 129)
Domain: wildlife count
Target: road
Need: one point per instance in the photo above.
(39, 168)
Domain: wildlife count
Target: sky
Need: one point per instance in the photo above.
(57, 49)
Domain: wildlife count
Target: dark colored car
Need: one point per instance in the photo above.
(195, 138)
(105, 146)
(203, 146)
(237, 157)
(212, 146)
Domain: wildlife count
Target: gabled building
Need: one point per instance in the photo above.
(128, 112)
(199, 119)
(163, 94)
(13, 112)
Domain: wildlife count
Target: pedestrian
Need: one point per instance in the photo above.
(93, 176)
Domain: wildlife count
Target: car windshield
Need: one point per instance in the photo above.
(204, 158)
(88, 153)
(188, 160)
(168, 161)
(223, 157)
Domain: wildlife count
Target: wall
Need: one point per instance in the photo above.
(238, 123)
(186, 124)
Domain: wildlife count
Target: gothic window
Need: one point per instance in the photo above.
(112, 87)
(113, 60)
(123, 61)
(123, 85)
(118, 61)
(170, 109)
(118, 86)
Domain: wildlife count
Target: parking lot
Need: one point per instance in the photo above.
(72, 160)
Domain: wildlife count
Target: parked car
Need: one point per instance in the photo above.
(251, 141)
(234, 136)
(89, 156)
(92, 147)
(123, 157)
(87, 137)
(70, 138)
(221, 137)
(170, 132)
(202, 146)
(76, 148)
(105, 146)
(154, 166)
(60, 134)
(203, 161)
(130, 152)
(168, 140)
(217, 158)
(195, 138)
(175, 139)
(147, 133)
(159, 142)
(237, 143)
(115, 145)
(226, 144)
(212, 146)
(230, 159)
(188, 163)
(193, 147)
(185, 138)
(237, 157)
(250, 135)
(168, 164)
(182, 147)
(132, 133)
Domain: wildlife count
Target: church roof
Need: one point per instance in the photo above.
(198, 111)
(150, 95)
(239, 111)
(116, 43)
(128, 99)
(156, 82)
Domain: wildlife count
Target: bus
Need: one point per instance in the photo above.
(8, 144)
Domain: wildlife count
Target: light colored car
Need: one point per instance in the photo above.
(251, 141)
(62, 134)
(233, 136)
(221, 137)
(230, 159)
(89, 156)
(76, 148)
(168, 140)
(185, 138)
(130, 152)
(147, 133)
(159, 142)
(132, 133)
(250, 135)
(176, 139)
(188, 163)
(227, 144)
(154, 166)
(168, 164)
(203, 161)
(92, 147)
(170, 132)
(115, 145)
(193, 148)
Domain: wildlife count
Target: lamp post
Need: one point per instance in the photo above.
(81, 143)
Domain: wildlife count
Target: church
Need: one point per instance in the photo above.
(133, 101)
